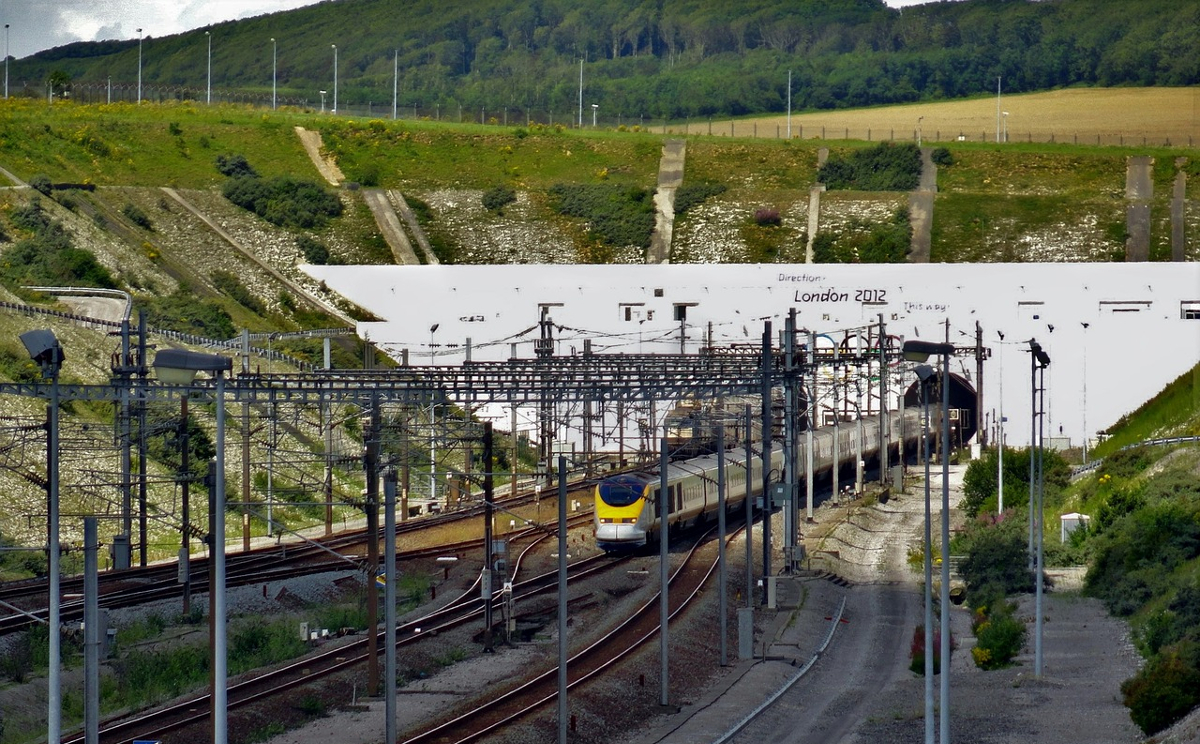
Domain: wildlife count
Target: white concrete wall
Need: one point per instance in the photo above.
(1135, 343)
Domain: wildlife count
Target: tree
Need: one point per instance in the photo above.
(59, 82)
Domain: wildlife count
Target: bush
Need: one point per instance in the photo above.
(313, 250)
(498, 197)
(41, 183)
(767, 217)
(884, 167)
(229, 284)
(284, 201)
(916, 651)
(137, 216)
(48, 257)
(619, 215)
(183, 312)
(996, 553)
(235, 166)
(1165, 689)
(690, 196)
(998, 637)
(941, 157)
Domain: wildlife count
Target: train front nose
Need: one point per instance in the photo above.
(619, 536)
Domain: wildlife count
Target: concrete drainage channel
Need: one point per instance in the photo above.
(737, 728)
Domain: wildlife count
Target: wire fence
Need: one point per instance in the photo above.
(594, 117)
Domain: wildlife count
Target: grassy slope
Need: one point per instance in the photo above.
(1173, 412)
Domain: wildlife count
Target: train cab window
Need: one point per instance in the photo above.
(621, 491)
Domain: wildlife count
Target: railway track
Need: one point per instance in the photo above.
(26, 601)
(489, 717)
(468, 606)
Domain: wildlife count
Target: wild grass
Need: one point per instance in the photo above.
(1173, 412)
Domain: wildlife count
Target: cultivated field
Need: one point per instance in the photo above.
(1108, 116)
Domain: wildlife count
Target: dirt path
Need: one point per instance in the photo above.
(327, 166)
(389, 225)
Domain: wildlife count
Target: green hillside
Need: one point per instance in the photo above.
(642, 59)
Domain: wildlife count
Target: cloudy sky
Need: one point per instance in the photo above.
(41, 24)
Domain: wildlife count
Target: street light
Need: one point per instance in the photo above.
(595, 106)
(920, 351)
(274, 69)
(1005, 126)
(322, 102)
(139, 98)
(6, 61)
(925, 374)
(208, 96)
(1000, 448)
(179, 367)
(334, 78)
(919, 119)
(45, 350)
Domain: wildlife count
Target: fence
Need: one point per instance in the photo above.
(591, 118)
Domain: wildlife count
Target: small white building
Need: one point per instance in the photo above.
(1068, 523)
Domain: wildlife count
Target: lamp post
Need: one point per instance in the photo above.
(139, 95)
(335, 65)
(1005, 137)
(274, 69)
(179, 367)
(1038, 360)
(208, 88)
(1084, 407)
(920, 351)
(925, 373)
(432, 412)
(45, 350)
(322, 101)
(919, 120)
(595, 106)
(6, 61)
(1000, 446)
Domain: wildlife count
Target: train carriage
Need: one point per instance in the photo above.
(625, 515)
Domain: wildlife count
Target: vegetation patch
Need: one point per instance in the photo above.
(691, 195)
(182, 311)
(884, 167)
(138, 217)
(284, 200)
(618, 215)
(863, 241)
(498, 197)
(48, 257)
(229, 284)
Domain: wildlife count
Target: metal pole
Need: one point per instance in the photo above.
(884, 434)
(562, 599)
(944, 709)
(327, 428)
(389, 604)
(219, 693)
(208, 96)
(125, 558)
(810, 476)
(789, 450)
(54, 721)
(91, 634)
(335, 81)
(664, 513)
(396, 82)
(749, 508)
(789, 107)
(185, 551)
(371, 472)
(581, 93)
(766, 455)
(1000, 433)
(274, 70)
(139, 95)
(929, 738)
(1032, 443)
(1041, 529)
(143, 538)
(487, 537)
(721, 567)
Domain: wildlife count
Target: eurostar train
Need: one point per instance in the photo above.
(625, 517)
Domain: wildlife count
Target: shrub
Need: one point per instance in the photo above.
(885, 167)
(229, 284)
(767, 217)
(916, 650)
(137, 216)
(235, 166)
(41, 183)
(690, 196)
(284, 201)
(998, 638)
(49, 257)
(498, 197)
(313, 250)
(619, 215)
(183, 312)
(1165, 689)
(941, 157)
(996, 553)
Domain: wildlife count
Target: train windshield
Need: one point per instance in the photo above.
(621, 491)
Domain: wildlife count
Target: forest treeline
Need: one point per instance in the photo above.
(656, 58)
